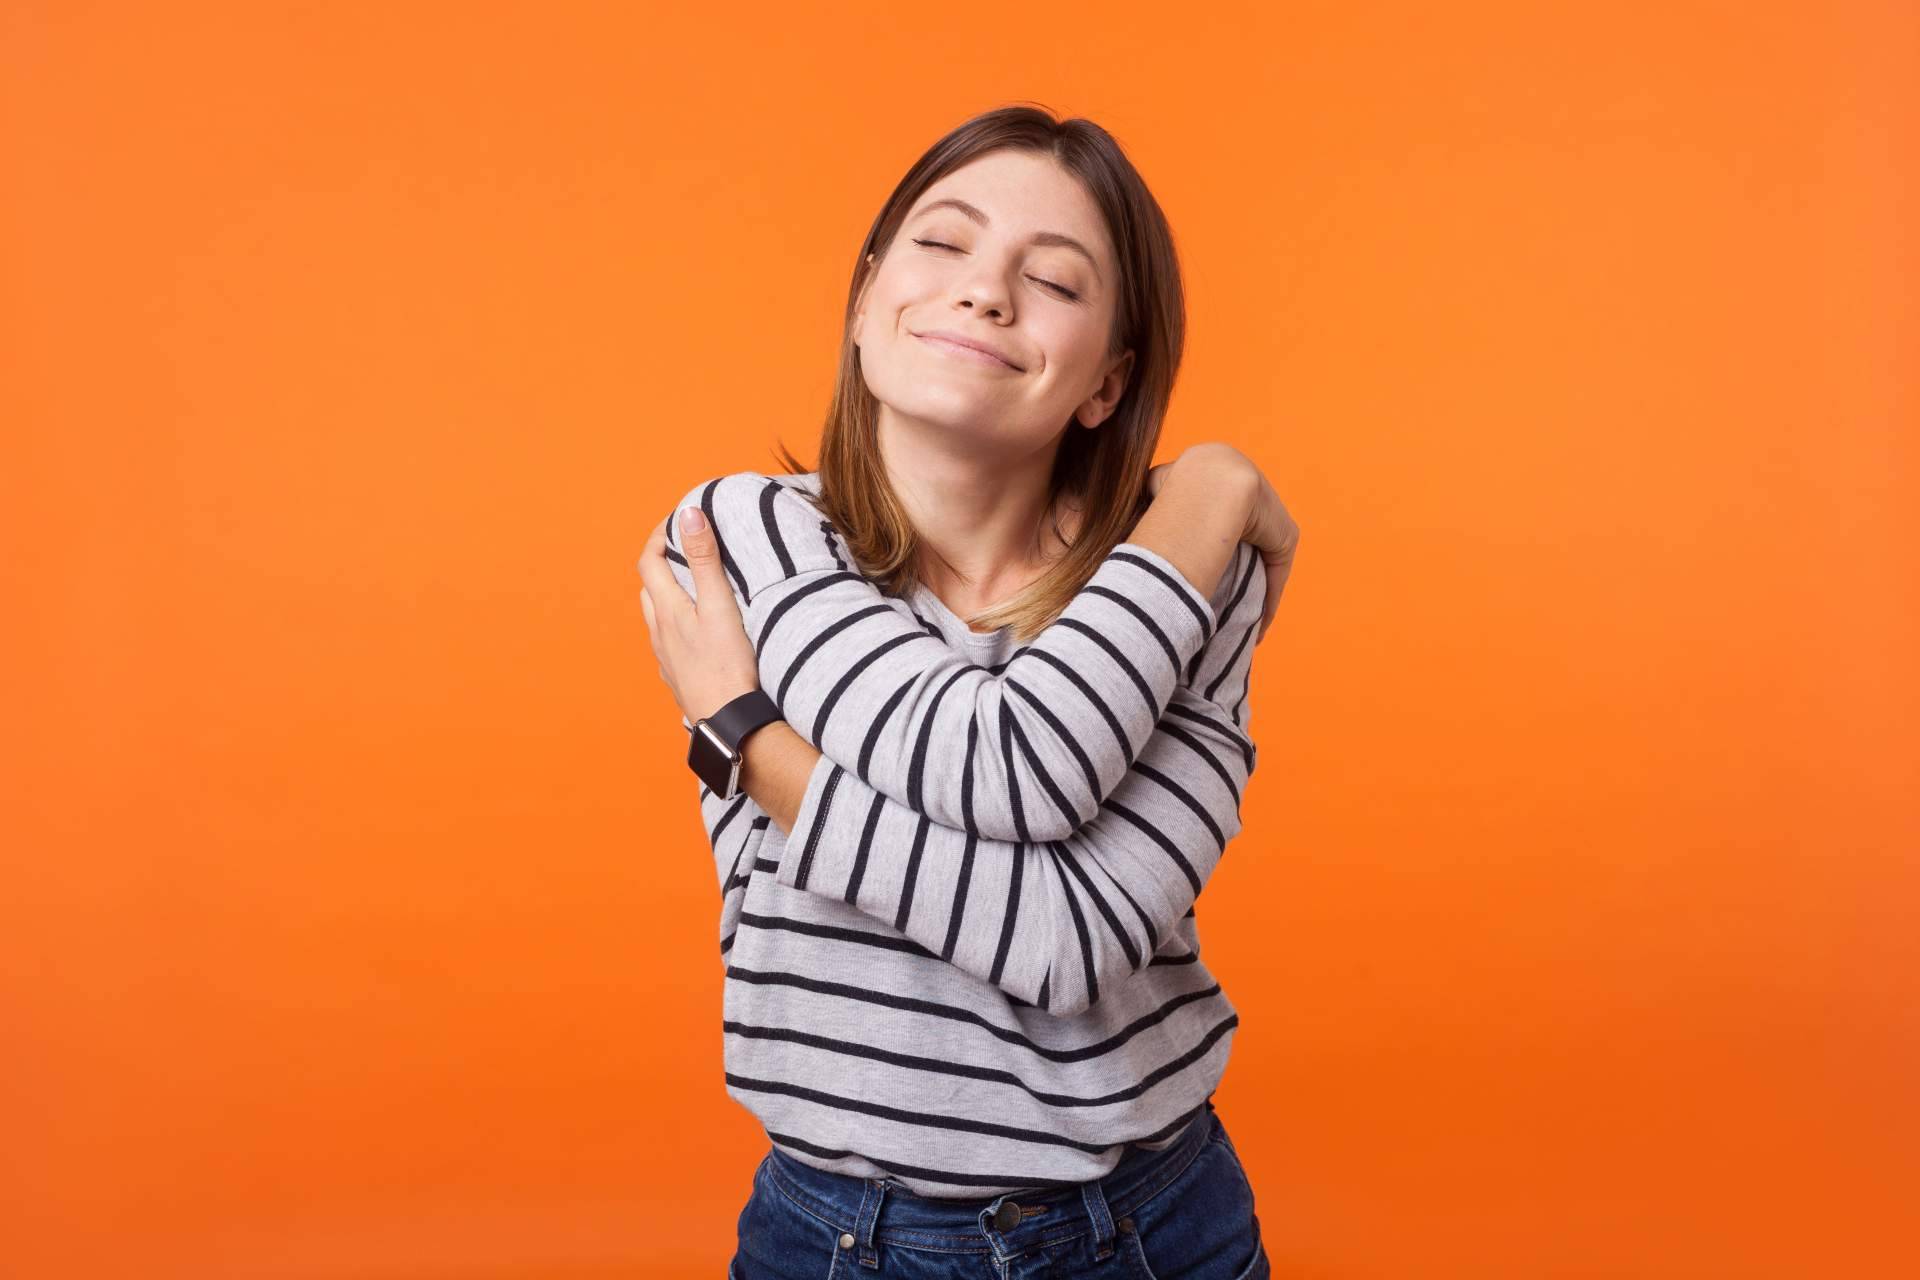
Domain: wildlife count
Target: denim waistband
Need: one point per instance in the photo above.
(880, 1210)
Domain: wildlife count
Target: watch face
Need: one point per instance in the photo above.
(713, 762)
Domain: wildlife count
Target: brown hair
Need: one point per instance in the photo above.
(1103, 471)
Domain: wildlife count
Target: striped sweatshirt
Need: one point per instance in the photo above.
(973, 965)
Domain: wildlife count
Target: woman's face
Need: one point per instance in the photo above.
(1005, 276)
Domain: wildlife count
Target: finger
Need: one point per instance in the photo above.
(1278, 570)
(656, 540)
(702, 551)
(657, 574)
(653, 628)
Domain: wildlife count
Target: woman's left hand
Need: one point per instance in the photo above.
(705, 654)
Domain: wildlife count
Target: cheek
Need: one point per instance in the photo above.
(881, 316)
(915, 282)
(1075, 351)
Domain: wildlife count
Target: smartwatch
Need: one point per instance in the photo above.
(714, 752)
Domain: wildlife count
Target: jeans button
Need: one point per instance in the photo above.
(1125, 1225)
(846, 1239)
(1008, 1217)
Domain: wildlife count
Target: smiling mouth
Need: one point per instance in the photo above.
(971, 354)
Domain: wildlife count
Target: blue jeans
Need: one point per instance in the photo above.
(1185, 1213)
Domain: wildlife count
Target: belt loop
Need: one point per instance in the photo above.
(1096, 1201)
(876, 1191)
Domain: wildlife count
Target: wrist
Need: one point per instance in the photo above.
(1211, 462)
(1227, 477)
(777, 767)
(716, 747)
(713, 705)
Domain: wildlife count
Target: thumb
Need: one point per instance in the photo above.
(702, 550)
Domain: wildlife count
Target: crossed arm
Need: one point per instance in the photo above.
(1050, 916)
(1050, 733)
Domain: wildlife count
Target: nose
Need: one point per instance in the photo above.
(984, 290)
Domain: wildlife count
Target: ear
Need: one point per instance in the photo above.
(1095, 408)
(860, 302)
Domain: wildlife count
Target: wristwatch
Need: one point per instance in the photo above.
(713, 752)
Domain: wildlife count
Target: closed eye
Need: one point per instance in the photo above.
(1064, 292)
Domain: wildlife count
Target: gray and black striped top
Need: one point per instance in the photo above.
(973, 965)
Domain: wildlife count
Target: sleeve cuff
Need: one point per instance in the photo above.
(1166, 566)
(1192, 624)
(810, 842)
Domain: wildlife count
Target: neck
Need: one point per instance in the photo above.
(983, 518)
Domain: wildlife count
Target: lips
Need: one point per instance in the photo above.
(941, 336)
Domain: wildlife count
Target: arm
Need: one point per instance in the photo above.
(1057, 923)
(1038, 743)
(1053, 923)
(777, 764)
(735, 829)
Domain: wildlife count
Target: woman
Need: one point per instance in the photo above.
(963, 985)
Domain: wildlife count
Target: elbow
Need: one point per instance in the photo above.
(1112, 971)
(1066, 999)
(1089, 959)
(1037, 822)
(1052, 827)
(1071, 1009)
(1045, 810)
(1073, 1004)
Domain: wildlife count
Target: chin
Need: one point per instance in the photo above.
(936, 401)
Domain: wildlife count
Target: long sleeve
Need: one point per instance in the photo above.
(1056, 922)
(1027, 752)
(735, 830)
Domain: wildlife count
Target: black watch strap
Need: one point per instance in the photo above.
(740, 717)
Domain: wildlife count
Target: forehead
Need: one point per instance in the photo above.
(1021, 195)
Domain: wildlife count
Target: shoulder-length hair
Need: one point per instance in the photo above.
(1100, 472)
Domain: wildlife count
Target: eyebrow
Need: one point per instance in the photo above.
(1053, 238)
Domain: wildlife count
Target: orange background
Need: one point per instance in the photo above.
(357, 918)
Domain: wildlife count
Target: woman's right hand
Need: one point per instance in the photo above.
(1269, 526)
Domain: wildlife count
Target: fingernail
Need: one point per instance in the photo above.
(692, 521)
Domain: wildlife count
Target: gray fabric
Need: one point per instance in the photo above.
(974, 965)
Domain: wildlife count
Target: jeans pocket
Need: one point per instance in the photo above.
(779, 1238)
(1238, 1165)
(1200, 1226)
